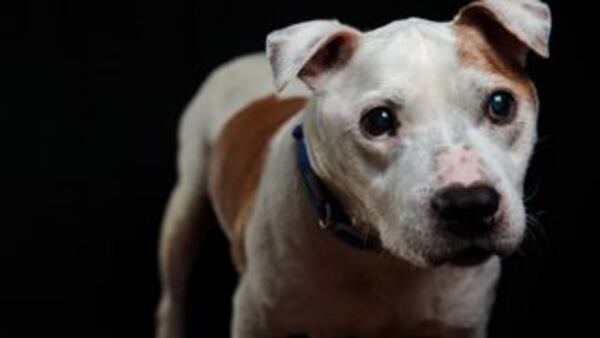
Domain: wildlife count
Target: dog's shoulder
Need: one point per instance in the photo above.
(236, 162)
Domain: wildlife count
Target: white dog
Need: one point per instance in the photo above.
(374, 197)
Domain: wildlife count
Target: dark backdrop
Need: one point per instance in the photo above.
(93, 93)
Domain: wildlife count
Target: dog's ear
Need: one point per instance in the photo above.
(514, 27)
(309, 50)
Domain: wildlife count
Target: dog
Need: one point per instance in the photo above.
(372, 187)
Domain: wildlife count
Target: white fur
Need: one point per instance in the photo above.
(299, 278)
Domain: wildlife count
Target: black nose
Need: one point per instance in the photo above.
(466, 211)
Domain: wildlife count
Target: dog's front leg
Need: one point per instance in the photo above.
(248, 321)
(180, 235)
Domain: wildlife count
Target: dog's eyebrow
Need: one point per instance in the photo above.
(397, 98)
(484, 82)
(392, 96)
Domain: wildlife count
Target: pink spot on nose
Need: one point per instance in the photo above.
(458, 165)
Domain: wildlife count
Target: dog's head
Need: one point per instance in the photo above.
(424, 130)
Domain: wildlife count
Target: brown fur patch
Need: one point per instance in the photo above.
(236, 164)
(484, 46)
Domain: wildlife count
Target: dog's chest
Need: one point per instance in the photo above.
(365, 296)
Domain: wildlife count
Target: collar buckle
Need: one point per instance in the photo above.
(325, 221)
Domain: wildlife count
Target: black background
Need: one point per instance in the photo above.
(93, 92)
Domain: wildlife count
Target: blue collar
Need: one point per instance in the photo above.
(331, 215)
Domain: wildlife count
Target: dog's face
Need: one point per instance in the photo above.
(424, 130)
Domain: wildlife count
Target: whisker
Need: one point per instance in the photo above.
(535, 234)
(536, 189)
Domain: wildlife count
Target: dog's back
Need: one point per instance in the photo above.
(226, 91)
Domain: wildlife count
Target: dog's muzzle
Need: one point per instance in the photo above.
(468, 215)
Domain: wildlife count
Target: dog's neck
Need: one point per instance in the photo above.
(287, 198)
(294, 202)
(332, 216)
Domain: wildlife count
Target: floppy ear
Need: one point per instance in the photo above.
(514, 26)
(309, 50)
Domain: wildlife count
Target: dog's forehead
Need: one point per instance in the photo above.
(404, 55)
(427, 63)
(405, 60)
(410, 44)
(413, 28)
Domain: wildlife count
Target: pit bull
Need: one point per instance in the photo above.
(368, 182)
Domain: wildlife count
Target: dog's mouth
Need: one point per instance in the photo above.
(466, 255)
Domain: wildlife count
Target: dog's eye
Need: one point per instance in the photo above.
(379, 121)
(501, 107)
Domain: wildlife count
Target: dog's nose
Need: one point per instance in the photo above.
(466, 211)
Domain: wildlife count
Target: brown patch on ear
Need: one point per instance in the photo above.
(236, 164)
(479, 48)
